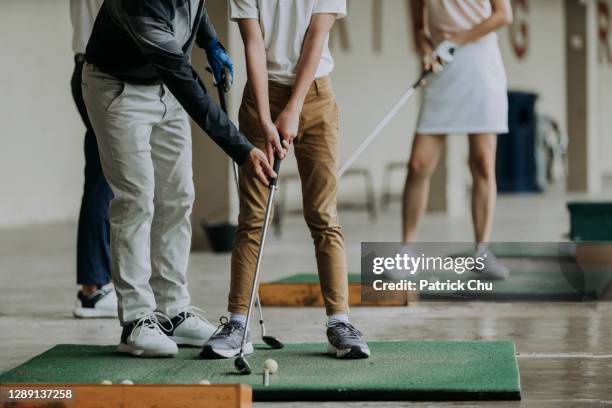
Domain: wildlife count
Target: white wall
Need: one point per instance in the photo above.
(40, 132)
(604, 106)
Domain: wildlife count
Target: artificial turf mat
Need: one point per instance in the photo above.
(406, 370)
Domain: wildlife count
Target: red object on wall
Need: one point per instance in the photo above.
(519, 29)
(603, 22)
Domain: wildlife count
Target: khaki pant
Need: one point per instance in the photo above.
(144, 140)
(316, 153)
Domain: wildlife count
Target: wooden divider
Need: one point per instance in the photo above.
(127, 396)
(309, 294)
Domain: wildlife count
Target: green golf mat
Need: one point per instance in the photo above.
(570, 285)
(406, 370)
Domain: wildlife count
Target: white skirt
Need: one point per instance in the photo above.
(469, 95)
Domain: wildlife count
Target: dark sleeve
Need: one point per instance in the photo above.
(149, 25)
(206, 31)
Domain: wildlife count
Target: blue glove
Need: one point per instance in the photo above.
(218, 58)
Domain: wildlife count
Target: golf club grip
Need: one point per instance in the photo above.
(276, 168)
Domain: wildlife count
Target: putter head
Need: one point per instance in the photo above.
(242, 365)
(273, 342)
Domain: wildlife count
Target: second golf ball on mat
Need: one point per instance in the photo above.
(271, 365)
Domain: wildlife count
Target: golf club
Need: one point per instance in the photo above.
(222, 88)
(241, 363)
(443, 54)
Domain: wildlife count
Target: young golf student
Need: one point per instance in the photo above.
(468, 97)
(138, 87)
(289, 93)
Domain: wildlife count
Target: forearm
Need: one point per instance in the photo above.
(501, 16)
(312, 49)
(188, 89)
(421, 41)
(257, 73)
(256, 63)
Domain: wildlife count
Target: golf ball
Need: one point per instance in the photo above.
(106, 382)
(204, 382)
(127, 382)
(271, 365)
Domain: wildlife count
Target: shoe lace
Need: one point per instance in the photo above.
(347, 330)
(198, 314)
(150, 321)
(226, 328)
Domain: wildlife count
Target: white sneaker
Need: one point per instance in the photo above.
(144, 338)
(189, 327)
(101, 303)
(492, 269)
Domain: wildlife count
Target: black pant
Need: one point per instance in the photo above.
(93, 249)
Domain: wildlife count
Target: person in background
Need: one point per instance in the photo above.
(289, 92)
(139, 88)
(468, 97)
(96, 298)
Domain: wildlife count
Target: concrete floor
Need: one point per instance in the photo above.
(564, 349)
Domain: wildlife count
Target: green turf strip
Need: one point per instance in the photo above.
(407, 370)
(570, 285)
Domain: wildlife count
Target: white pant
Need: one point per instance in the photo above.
(144, 140)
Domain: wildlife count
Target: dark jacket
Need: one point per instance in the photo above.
(149, 42)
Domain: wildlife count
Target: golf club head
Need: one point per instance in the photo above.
(242, 365)
(273, 342)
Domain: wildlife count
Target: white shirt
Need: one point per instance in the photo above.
(83, 15)
(284, 24)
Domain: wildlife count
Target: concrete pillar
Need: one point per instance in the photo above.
(213, 179)
(581, 84)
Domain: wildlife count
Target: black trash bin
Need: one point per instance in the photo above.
(220, 235)
(516, 161)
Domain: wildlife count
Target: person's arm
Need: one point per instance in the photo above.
(149, 27)
(422, 42)
(257, 72)
(500, 16)
(288, 121)
(206, 38)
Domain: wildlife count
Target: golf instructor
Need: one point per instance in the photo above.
(289, 92)
(139, 87)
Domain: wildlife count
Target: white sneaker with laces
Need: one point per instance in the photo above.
(189, 327)
(145, 338)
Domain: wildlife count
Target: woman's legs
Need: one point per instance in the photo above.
(484, 189)
(424, 158)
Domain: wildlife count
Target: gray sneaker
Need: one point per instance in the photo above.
(345, 341)
(226, 340)
(493, 269)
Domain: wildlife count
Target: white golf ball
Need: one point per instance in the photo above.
(271, 365)
(204, 382)
(127, 382)
(106, 382)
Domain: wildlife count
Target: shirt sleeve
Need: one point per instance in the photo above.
(152, 31)
(240, 9)
(337, 7)
(206, 31)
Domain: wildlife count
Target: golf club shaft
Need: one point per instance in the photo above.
(223, 103)
(383, 123)
(262, 243)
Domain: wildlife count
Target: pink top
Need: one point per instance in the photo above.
(454, 15)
